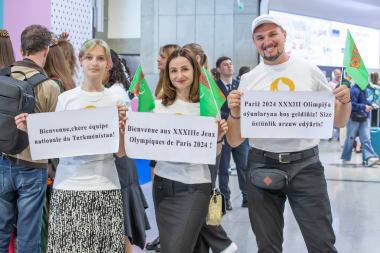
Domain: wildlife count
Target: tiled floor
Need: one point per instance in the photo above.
(355, 198)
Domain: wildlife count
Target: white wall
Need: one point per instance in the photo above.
(124, 19)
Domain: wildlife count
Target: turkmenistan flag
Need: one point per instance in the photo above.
(140, 88)
(354, 63)
(210, 96)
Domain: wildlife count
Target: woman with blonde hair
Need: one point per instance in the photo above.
(200, 55)
(86, 206)
(165, 52)
(57, 68)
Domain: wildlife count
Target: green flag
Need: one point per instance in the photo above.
(354, 63)
(210, 97)
(140, 88)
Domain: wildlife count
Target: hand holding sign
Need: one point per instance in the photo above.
(234, 100)
(21, 122)
(122, 116)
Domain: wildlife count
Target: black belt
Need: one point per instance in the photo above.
(288, 157)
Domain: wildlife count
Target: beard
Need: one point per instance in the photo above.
(273, 57)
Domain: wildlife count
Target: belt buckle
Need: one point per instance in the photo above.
(280, 157)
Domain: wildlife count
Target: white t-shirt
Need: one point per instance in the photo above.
(90, 172)
(119, 90)
(187, 173)
(305, 76)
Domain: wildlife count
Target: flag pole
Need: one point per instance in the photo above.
(341, 78)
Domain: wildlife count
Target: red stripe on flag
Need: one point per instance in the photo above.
(355, 58)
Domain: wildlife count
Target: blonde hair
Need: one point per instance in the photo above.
(167, 50)
(88, 45)
(196, 49)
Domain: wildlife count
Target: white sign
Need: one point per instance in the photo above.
(169, 137)
(287, 114)
(74, 133)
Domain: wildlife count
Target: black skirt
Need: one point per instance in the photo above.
(134, 202)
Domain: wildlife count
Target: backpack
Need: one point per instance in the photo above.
(16, 97)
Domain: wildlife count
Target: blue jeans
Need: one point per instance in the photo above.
(364, 129)
(25, 188)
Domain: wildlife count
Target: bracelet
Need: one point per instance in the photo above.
(233, 116)
(346, 102)
(221, 140)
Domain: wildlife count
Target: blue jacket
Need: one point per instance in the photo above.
(359, 99)
(225, 110)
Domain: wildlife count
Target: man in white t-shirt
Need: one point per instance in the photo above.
(306, 191)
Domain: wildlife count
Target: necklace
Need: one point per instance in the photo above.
(83, 95)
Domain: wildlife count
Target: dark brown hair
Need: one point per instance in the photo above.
(167, 50)
(117, 73)
(197, 50)
(243, 70)
(374, 78)
(69, 54)
(34, 39)
(6, 52)
(169, 94)
(221, 59)
(215, 73)
(57, 67)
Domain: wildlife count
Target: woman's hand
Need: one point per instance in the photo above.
(222, 128)
(122, 116)
(21, 122)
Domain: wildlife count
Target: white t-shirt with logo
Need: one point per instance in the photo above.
(119, 90)
(187, 173)
(295, 74)
(90, 172)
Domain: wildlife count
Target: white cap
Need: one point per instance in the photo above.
(263, 19)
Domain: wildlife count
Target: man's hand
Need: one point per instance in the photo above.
(21, 122)
(342, 94)
(375, 106)
(233, 100)
(368, 108)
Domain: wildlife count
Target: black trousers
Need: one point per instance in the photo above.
(212, 237)
(240, 157)
(308, 198)
(181, 210)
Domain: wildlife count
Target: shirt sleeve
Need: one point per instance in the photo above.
(243, 83)
(51, 93)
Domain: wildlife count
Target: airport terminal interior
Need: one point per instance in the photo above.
(317, 31)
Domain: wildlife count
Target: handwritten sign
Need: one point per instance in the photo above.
(168, 137)
(295, 114)
(73, 133)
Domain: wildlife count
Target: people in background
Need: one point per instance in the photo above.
(243, 70)
(226, 84)
(373, 91)
(360, 105)
(215, 74)
(336, 79)
(165, 52)
(6, 50)
(134, 202)
(24, 180)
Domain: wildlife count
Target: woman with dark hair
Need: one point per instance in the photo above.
(374, 95)
(215, 74)
(6, 50)
(165, 52)
(134, 202)
(180, 212)
(57, 68)
(243, 70)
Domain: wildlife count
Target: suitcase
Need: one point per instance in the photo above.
(375, 138)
